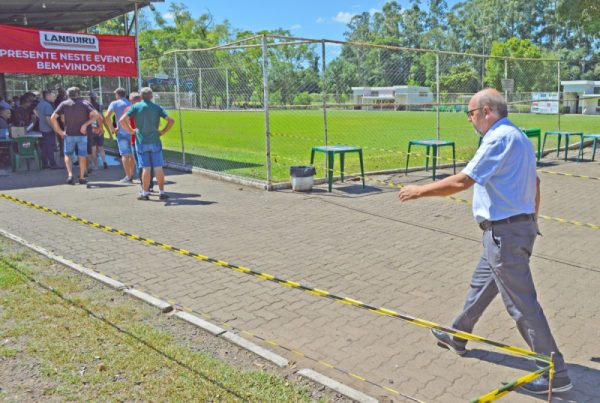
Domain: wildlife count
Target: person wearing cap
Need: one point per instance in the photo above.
(506, 201)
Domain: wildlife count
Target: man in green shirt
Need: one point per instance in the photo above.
(147, 117)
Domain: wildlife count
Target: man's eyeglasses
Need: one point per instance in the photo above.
(470, 112)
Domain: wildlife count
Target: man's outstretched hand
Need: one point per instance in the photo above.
(411, 192)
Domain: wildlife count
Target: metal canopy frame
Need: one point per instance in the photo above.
(71, 16)
(65, 15)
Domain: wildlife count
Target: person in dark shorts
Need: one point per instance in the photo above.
(78, 116)
(95, 135)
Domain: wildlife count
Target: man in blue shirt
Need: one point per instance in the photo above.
(506, 201)
(3, 103)
(43, 111)
(123, 137)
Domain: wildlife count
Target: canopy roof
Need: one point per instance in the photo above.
(65, 15)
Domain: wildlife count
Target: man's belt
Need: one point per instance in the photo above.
(516, 218)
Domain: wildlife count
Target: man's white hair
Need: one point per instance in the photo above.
(146, 93)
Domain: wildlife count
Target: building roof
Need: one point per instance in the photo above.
(394, 87)
(581, 82)
(65, 15)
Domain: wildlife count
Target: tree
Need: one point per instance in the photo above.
(584, 13)
(462, 78)
(529, 76)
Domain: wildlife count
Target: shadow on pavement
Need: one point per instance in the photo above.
(98, 179)
(184, 199)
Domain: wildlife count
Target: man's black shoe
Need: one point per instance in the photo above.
(444, 340)
(143, 197)
(163, 196)
(70, 180)
(83, 181)
(541, 385)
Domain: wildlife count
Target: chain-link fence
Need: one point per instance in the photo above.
(255, 107)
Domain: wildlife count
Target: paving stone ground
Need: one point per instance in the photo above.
(414, 257)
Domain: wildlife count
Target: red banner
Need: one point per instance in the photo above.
(32, 51)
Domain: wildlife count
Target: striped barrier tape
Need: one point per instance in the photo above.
(288, 283)
(569, 174)
(489, 397)
(292, 284)
(509, 387)
(223, 324)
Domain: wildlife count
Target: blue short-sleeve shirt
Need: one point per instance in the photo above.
(44, 109)
(118, 107)
(504, 169)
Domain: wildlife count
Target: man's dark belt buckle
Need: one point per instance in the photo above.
(484, 225)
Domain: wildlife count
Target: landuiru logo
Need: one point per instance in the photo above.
(67, 41)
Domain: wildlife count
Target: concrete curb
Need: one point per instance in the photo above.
(217, 331)
(338, 387)
(149, 299)
(256, 349)
(201, 323)
(75, 266)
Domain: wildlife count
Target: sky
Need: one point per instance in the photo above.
(324, 19)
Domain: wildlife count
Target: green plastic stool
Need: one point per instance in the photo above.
(25, 148)
(434, 145)
(537, 133)
(330, 152)
(595, 138)
(567, 136)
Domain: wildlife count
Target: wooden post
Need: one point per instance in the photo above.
(550, 377)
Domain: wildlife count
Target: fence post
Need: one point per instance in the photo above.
(137, 47)
(324, 93)
(558, 93)
(506, 77)
(178, 106)
(437, 100)
(266, 106)
(227, 86)
(200, 86)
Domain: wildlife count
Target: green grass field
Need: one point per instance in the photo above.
(234, 142)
